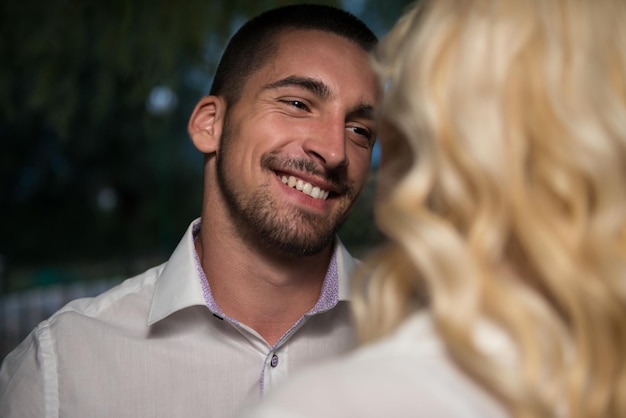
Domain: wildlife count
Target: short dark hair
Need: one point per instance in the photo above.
(255, 42)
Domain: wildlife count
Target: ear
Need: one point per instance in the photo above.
(205, 123)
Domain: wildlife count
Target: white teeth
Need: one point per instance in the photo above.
(306, 188)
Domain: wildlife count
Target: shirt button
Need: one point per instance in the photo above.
(274, 361)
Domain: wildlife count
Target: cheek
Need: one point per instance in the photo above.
(270, 133)
(247, 140)
(360, 163)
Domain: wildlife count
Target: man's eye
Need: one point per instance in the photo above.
(297, 104)
(360, 131)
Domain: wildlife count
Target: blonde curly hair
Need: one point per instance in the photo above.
(503, 195)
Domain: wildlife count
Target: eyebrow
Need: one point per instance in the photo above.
(314, 86)
(362, 111)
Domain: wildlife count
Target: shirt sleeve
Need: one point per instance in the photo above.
(22, 378)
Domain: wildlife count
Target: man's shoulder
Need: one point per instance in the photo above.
(129, 299)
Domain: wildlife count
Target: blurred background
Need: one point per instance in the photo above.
(98, 178)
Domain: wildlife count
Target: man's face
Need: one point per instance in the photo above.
(295, 149)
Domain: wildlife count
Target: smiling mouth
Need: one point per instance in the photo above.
(306, 188)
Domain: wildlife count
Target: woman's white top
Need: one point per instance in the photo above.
(408, 374)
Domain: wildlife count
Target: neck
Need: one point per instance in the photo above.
(265, 290)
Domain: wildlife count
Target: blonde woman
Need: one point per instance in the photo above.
(502, 291)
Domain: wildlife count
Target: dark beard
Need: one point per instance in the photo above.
(298, 232)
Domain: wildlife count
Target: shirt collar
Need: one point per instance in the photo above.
(178, 285)
(182, 282)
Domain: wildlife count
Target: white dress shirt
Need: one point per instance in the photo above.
(407, 374)
(158, 346)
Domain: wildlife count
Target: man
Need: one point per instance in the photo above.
(257, 289)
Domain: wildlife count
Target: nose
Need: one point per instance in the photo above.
(327, 144)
